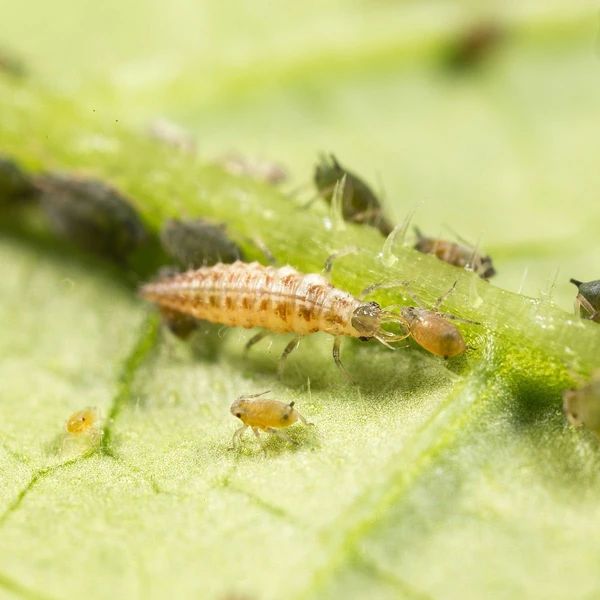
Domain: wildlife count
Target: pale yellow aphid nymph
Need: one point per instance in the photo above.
(82, 420)
(264, 415)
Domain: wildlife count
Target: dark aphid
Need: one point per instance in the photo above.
(582, 406)
(11, 65)
(14, 183)
(587, 302)
(359, 202)
(456, 254)
(473, 45)
(90, 213)
(197, 243)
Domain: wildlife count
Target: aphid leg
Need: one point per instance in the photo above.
(237, 436)
(286, 352)
(443, 297)
(348, 250)
(336, 357)
(255, 339)
(303, 419)
(284, 435)
(587, 306)
(457, 318)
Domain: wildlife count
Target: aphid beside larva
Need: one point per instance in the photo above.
(90, 213)
(261, 170)
(473, 45)
(359, 202)
(429, 328)
(455, 254)
(83, 428)
(276, 299)
(14, 183)
(587, 302)
(196, 243)
(271, 416)
(582, 405)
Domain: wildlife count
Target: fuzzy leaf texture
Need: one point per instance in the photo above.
(424, 479)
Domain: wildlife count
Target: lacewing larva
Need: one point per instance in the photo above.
(196, 243)
(455, 254)
(90, 213)
(14, 183)
(582, 405)
(280, 300)
(359, 202)
(271, 416)
(587, 302)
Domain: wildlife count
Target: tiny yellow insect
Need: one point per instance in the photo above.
(264, 415)
(83, 426)
(582, 406)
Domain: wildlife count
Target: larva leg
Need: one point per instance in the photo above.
(256, 433)
(336, 357)
(255, 339)
(287, 351)
(284, 435)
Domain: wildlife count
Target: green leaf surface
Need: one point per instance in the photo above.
(424, 479)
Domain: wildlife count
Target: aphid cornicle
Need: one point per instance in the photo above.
(264, 415)
(276, 299)
(455, 254)
(196, 243)
(582, 406)
(587, 302)
(90, 213)
(359, 202)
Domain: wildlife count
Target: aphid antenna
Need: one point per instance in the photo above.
(445, 295)
(346, 251)
(459, 237)
(246, 396)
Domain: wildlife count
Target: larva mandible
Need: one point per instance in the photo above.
(280, 300)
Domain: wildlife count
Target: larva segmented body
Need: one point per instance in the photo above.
(252, 295)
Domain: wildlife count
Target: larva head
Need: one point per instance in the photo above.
(368, 320)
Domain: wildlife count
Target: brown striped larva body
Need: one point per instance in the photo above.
(280, 300)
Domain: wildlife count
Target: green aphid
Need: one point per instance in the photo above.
(582, 406)
(197, 243)
(587, 302)
(359, 202)
(91, 214)
(15, 185)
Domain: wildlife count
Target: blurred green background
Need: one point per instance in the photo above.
(426, 481)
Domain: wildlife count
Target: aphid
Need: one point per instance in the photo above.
(473, 45)
(172, 135)
(264, 415)
(83, 427)
(430, 328)
(14, 183)
(455, 254)
(260, 170)
(11, 65)
(198, 243)
(91, 214)
(587, 302)
(582, 406)
(276, 299)
(359, 202)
